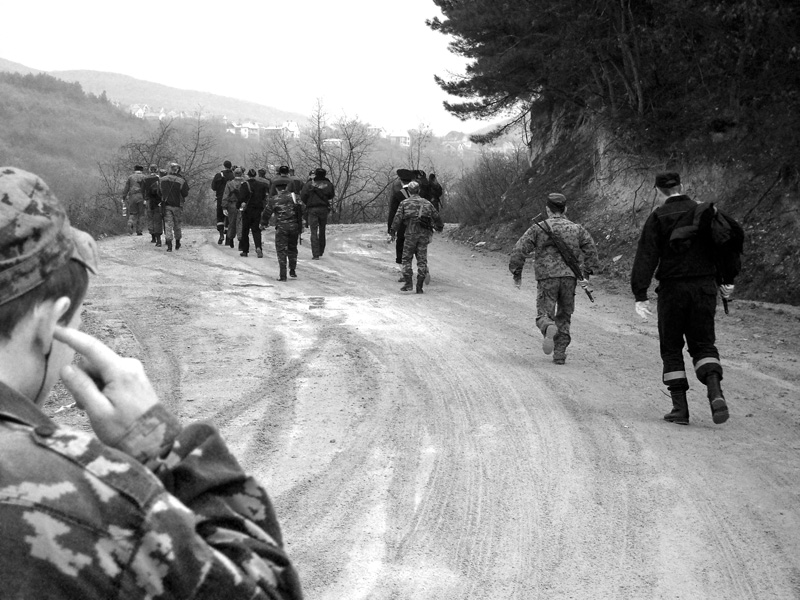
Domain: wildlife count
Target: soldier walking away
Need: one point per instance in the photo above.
(251, 213)
(152, 201)
(286, 181)
(288, 211)
(174, 190)
(133, 199)
(555, 279)
(218, 185)
(420, 219)
(399, 193)
(436, 192)
(140, 507)
(687, 299)
(231, 204)
(317, 195)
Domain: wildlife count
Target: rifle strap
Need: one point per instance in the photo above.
(566, 253)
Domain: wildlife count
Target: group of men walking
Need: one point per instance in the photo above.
(156, 198)
(246, 206)
(678, 246)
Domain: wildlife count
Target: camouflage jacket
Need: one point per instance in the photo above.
(287, 209)
(133, 187)
(410, 211)
(547, 262)
(168, 513)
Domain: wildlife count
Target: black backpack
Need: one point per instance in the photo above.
(726, 235)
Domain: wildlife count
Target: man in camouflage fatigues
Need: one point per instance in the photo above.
(142, 509)
(420, 219)
(231, 203)
(174, 190)
(133, 199)
(288, 211)
(555, 281)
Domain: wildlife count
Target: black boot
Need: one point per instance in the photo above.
(152, 238)
(680, 408)
(259, 253)
(292, 273)
(169, 245)
(407, 287)
(157, 240)
(282, 276)
(420, 281)
(221, 238)
(719, 409)
(177, 244)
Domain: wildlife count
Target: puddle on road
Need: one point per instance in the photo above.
(316, 302)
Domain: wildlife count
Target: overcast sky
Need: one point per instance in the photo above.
(374, 59)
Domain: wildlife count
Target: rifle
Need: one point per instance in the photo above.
(568, 256)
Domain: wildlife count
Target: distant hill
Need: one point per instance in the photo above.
(129, 90)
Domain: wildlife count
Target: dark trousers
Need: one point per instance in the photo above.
(222, 220)
(401, 240)
(686, 309)
(317, 221)
(250, 224)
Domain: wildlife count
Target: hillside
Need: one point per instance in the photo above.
(128, 90)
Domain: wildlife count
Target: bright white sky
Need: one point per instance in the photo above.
(374, 59)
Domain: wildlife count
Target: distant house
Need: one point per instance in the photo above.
(400, 139)
(457, 142)
(288, 129)
(139, 110)
(377, 131)
(333, 142)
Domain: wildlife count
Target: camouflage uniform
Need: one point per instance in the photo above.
(133, 197)
(417, 236)
(288, 213)
(174, 190)
(555, 281)
(168, 513)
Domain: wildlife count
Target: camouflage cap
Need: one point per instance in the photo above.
(36, 238)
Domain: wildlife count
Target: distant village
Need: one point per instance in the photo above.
(455, 142)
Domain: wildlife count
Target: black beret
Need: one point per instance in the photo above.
(227, 164)
(405, 174)
(320, 173)
(283, 170)
(557, 201)
(667, 180)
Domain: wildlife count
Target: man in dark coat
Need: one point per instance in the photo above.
(218, 185)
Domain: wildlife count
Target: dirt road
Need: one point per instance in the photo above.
(423, 447)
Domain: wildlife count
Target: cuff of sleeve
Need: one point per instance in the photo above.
(151, 435)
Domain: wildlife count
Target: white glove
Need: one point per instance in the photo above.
(726, 291)
(643, 309)
(225, 211)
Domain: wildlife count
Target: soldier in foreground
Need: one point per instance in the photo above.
(143, 508)
(420, 219)
(133, 199)
(555, 280)
(288, 211)
(174, 190)
(687, 300)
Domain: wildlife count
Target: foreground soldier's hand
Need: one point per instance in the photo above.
(114, 391)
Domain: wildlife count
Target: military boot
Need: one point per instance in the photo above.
(157, 240)
(177, 244)
(420, 282)
(719, 409)
(282, 275)
(259, 253)
(407, 287)
(221, 238)
(680, 408)
(169, 245)
(152, 238)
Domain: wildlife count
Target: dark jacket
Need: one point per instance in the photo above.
(287, 182)
(151, 191)
(318, 193)
(257, 198)
(219, 181)
(173, 190)
(397, 197)
(655, 254)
